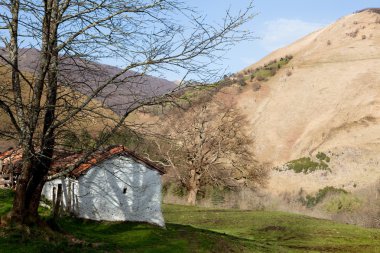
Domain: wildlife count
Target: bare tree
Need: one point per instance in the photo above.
(146, 36)
(210, 147)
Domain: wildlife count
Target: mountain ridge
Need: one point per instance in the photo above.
(85, 76)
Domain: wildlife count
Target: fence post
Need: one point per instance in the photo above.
(58, 201)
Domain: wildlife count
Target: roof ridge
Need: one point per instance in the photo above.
(64, 159)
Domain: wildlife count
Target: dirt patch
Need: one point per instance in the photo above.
(273, 228)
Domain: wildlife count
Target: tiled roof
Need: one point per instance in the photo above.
(12, 157)
(63, 160)
(101, 156)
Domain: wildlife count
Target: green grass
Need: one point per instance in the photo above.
(263, 74)
(279, 231)
(5, 201)
(195, 229)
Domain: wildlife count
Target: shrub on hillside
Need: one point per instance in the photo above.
(289, 57)
(256, 86)
(270, 69)
(322, 157)
(306, 165)
(353, 34)
(312, 200)
(242, 82)
(261, 78)
(343, 202)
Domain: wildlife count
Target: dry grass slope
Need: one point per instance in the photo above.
(91, 119)
(330, 103)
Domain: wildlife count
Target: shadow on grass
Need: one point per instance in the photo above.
(139, 237)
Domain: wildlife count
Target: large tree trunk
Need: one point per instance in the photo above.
(193, 189)
(28, 191)
(192, 196)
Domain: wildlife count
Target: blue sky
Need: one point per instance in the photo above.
(278, 23)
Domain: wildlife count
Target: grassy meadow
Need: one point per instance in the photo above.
(193, 229)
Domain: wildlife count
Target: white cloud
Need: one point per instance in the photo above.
(281, 32)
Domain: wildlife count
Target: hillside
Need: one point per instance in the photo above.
(331, 98)
(91, 119)
(326, 99)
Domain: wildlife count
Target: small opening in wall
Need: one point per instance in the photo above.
(124, 190)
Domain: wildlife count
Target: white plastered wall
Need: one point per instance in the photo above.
(119, 189)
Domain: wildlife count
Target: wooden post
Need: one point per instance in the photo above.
(54, 197)
(11, 178)
(57, 204)
(68, 200)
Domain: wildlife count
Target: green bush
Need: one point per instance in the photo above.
(311, 201)
(342, 202)
(306, 165)
(323, 157)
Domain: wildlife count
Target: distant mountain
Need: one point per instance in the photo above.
(85, 76)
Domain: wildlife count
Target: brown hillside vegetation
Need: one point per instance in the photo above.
(330, 102)
(95, 118)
